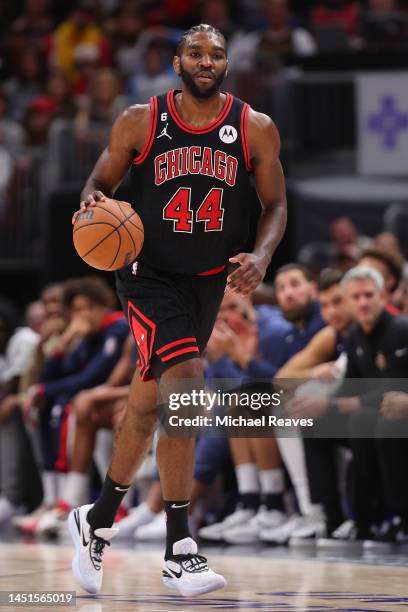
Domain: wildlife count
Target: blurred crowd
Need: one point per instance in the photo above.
(65, 369)
(86, 60)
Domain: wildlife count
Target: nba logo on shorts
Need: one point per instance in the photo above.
(228, 134)
(135, 267)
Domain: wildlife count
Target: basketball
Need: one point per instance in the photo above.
(109, 235)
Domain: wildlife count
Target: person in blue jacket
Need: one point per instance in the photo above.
(84, 356)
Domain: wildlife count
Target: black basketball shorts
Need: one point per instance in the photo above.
(171, 316)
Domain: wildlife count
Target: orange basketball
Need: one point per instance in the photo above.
(108, 236)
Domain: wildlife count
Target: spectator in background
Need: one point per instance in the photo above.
(383, 26)
(20, 345)
(51, 328)
(241, 360)
(156, 76)
(79, 28)
(11, 144)
(257, 57)
(103, 105)
(20, 487)
(275, 43)
(27, 82)
(87, 63)
(218, 14)
(337, 15)
(37, 121)
(347, 244)
(240, 349)
(54, 326)
(323, 359)
(177, 13)
(128, 27)
(282, 39)
(11, 132)
(58, 89)
(35, 21)
(98, 333)
(388, 242)
(376, 349)
(390, 268)
(100, 407)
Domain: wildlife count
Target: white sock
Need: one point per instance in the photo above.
(272, 481)
(247, 478)
(49, 483)
(292, 452)
(61, 479)
(76, 491)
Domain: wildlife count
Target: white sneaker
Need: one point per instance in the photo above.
(307, 532)
(8, 510)
(215, 532)
(249, 532)
(282, 533)
(155, 530)
(347, 535)
(28, 522)
(89, 547)
(188, 573)
(53, 522)
(141, 515)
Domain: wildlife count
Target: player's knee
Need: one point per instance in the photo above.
(191, 369)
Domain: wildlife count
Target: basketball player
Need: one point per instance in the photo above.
(192, 155)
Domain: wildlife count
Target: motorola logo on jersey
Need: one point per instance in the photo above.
(195, 160)
(228, 134)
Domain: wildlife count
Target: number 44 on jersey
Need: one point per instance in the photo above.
(179, 211)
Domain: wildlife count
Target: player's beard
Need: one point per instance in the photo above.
(193, 88)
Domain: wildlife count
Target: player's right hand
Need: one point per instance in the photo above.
(91, 200)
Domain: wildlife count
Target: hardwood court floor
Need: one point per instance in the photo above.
(265, 579)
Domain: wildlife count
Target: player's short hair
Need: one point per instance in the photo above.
(92, 287)
(393, 263)
(294, 266)
(202, 27)
(363, 273)
(329, 278)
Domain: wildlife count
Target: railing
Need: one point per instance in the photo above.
(21, 215)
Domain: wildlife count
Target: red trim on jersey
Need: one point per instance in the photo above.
(175, 343)
(244, 136)
(192, 349)
(202, 129)
(211, 272)
(152, 130)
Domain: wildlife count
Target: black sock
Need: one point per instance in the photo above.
(103, 513)
(176, 523)
(250, 500)
(274, 501)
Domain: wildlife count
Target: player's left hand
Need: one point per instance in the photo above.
(250, 273)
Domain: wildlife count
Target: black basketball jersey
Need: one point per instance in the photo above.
(192, 188)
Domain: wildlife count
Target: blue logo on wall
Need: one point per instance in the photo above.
(388, 122)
